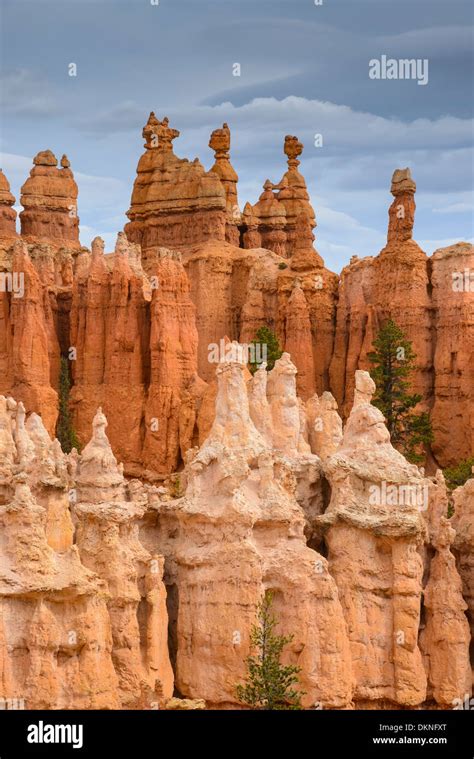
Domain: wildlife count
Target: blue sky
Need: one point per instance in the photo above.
(304, 71)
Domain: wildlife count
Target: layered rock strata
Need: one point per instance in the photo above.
(395, 284)
(135, 346)
(175, 202)
(49, 200)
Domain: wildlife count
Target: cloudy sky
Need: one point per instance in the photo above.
(304, 70)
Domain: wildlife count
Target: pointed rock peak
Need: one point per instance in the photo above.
(98, 247)
(135, 258)
(99, 425)
(260, 411)
(324, 424)
(65, 163)
(36, 430)
(122, 246)
(248, 209)
(445, 534)
(366, 440)
(249, 215)
(24, 445)
(329, 401)
(267, 193)
(364, 388)
(233, 429)
(402, 182)
(284, 365)
(281, 393)
(260, 376)
(97, 467)
(20, 417)
(45, 158)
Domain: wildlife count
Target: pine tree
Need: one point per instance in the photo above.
(269, 683)
(459, 474)
(65, 432)
(393, 361)
(268, 338)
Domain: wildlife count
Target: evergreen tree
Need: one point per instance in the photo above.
(393, 361)
(268, 338)
(64, 429)
(459, 474)
(269, 682)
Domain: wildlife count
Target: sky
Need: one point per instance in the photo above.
(304, 70)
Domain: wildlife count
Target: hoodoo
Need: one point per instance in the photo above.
(49, 200)
(175, 202)
(135, 566)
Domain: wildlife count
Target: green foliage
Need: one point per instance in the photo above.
(393, 361)
(269, 683)
(282, 265)
(266, 337)
(64, 429)
(457, 475)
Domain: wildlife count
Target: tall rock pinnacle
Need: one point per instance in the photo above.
(220, 143)
(402, 211)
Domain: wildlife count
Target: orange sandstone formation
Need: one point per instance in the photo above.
(453, 299)
(173, 363)
(446, 636)
(7, 213)
(395, 285)
(237, 531)
(272, 220)
(175, 202)
(135, 349)
(381, 594)
(326, 324)
(220, 143)
(28, 343)
(84, 623)
(274, 217)
(107, 539)
(463, 545)
(55, 634)
(49, 199)
(113, 588)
